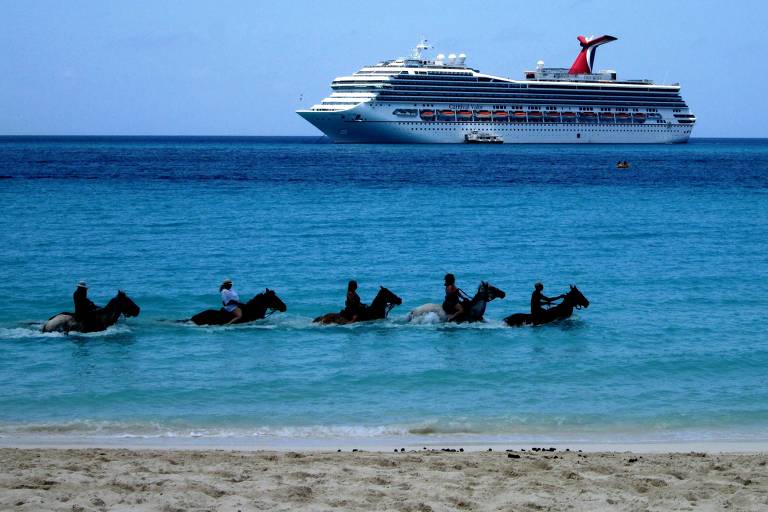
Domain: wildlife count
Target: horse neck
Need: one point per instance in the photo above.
(257, 303)
(113, 309)
(378, 304)
(478, 305)
(569, 301)
(480, 297)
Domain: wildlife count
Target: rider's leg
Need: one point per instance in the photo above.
(238, 314)
(459, 312)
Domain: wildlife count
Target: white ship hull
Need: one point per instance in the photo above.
(366, 124)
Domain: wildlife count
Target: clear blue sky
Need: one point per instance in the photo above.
(239, 68)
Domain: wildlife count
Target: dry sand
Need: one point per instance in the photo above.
(168, 481)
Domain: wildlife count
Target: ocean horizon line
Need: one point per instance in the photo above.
(321, 137)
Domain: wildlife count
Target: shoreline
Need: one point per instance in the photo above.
(379, 444)
(174, 480)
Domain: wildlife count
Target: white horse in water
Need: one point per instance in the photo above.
(428, 314)
(474, 308)
(97, 320)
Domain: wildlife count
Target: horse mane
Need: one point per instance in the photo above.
(257, 299)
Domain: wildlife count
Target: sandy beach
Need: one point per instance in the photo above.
(171, 480)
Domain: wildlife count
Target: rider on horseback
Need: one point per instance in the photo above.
(83, 305)
(352, 306)
(230, 300)
(538, 299)
(453, 297)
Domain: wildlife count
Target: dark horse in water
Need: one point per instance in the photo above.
(474, 308)
(380, 307)
(260, 306)
(94, 321)
(573, 299)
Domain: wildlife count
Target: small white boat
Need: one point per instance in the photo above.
(476, 137)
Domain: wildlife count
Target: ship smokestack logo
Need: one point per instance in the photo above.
(586, 57)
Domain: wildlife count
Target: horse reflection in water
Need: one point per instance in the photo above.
(95, 321)
(574, 299)
(380, 307)
(474, 308)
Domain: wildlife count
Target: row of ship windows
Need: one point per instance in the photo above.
(486, 94)
(471, 81)
(358, 84)
(539, 130)
(538, 123)
(600, 102)
(564, 101)
(540, 107)
(583, 109)
(498, 90)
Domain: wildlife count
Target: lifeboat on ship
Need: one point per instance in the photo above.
(534, 115)
(519, 116)
(483, 114)
(500, 115)
(569, 116)
(553, 116)
(588, 117)
(464, 114)
(638, 117)
(449, 114)
(427, 115)
(607, 117)
(622, 117)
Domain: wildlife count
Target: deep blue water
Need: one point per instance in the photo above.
(672, 253)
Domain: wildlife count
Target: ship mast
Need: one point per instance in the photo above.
(421, 47)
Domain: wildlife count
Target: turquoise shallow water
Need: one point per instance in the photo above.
(671, 254)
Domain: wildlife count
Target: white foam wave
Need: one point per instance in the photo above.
(79, 431)
(33, 331)
(151, 430)
(304, 323)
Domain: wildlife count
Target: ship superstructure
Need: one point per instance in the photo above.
(419, 100)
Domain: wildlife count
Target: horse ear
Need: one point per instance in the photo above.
(268, 290)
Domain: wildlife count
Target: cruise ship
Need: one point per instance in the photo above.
(418, 100)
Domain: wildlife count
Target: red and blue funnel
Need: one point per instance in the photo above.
(586, 57)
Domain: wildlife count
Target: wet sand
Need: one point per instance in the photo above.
(180, 480)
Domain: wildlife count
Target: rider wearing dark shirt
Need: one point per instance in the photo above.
(352, 306)
(538, 299)
(83, 305)
(453, 295)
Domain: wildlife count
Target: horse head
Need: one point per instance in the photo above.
(577, 298)
(124, 304)
(388, 297)
(272, 301)
(383, 303)
(495, 293)
(486, 291)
